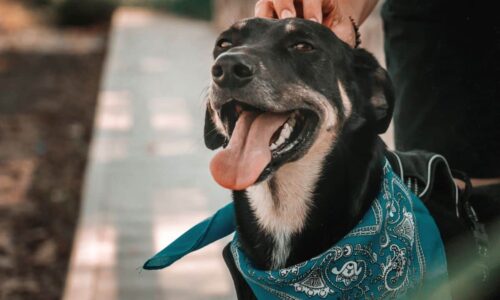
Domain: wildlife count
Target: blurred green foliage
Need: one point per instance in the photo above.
(40, 2)
(201, 9)
(84, 12)
(88, 12)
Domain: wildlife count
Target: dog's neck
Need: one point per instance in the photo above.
(309, 204)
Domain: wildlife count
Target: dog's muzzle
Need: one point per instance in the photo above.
(263, 129)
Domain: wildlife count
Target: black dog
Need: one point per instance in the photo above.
(343, 99)
(298, 113)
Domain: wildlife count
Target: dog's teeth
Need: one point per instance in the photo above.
(280, 140)
(287, 130)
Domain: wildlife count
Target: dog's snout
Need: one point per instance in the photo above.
(233, 71)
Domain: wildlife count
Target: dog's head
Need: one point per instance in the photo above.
(284, 88)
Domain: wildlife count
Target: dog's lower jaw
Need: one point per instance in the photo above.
(281, 204)
(319, 208)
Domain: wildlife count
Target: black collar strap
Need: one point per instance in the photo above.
(468, 214)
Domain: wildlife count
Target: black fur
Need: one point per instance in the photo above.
(213, 139)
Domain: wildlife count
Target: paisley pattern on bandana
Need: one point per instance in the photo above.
(393, 252)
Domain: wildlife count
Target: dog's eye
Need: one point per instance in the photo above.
(224, 44)
(303, 47)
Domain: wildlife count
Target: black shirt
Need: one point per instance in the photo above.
(444, 60)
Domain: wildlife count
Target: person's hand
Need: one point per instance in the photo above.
(334, 14)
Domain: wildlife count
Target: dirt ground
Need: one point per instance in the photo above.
(49, 79)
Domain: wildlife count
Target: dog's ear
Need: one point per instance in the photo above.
(375, 85)
(213, 139)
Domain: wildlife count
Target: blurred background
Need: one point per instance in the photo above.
(102, 161)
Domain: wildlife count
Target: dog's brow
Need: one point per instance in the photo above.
(239, 25)
(290, 27)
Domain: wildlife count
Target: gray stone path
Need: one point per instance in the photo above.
(148, 178)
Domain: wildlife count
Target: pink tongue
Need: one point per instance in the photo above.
(240, 164)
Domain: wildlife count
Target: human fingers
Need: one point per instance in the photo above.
(284, 8)
(264, 9)
(313, 10)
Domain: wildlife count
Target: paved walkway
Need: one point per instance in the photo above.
(148, 179)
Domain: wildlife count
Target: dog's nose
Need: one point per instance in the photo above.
(232, 71)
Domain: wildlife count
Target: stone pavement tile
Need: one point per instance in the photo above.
(148, 179)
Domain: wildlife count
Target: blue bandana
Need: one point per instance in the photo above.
(395, 251)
